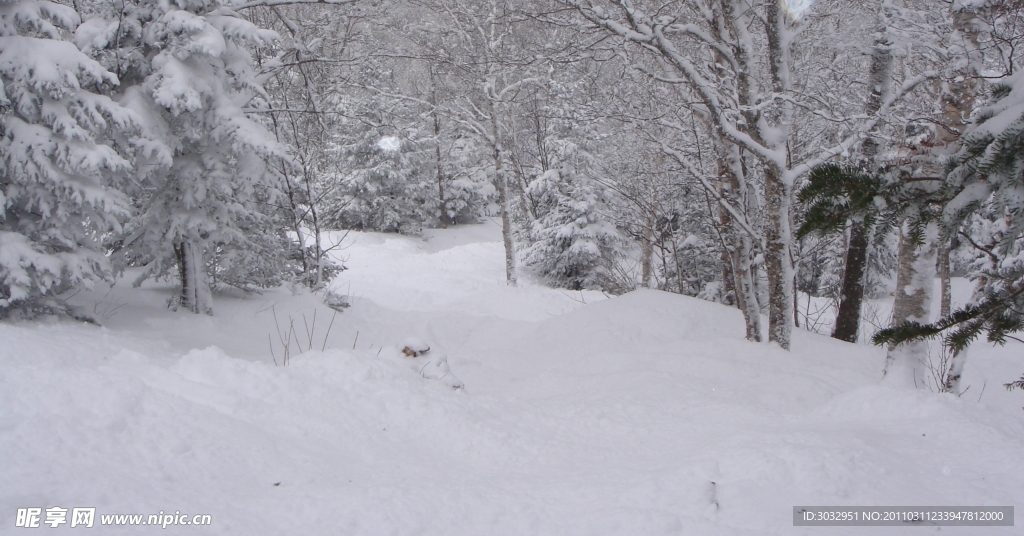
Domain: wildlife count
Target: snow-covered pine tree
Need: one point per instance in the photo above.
(189, 74)
(57, 178)
(570, 242)
(384, 186)
(467, 188)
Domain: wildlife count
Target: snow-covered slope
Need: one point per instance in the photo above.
(642, 414)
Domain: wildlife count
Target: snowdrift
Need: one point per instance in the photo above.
(642, 414)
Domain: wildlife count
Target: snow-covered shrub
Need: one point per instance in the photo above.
(337, 301)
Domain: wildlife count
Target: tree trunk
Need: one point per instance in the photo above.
(778, 263)
(907, 363)
(434, 101)
(956, 364)
(502, 186)
(848, 318)
(852, 294)
(445, 219)
(296, 220)
(796, 303)
(728, 281)
(196, 295)
(746, 290)
(945, 297)
(506, 231)
(958, 102)
(779, 191)
(647, 247)
(318, 255)
(646, 256)
(740, 244)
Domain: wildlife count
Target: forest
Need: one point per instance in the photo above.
(753, 153)
(512, 267)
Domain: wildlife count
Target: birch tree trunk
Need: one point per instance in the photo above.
(906, 364)
(956, 364)
(945, 286)
(778, 263)
(917, 267)
(502, 186)
(779, 194)
(506, 224)
(740, 244)
(958, 105)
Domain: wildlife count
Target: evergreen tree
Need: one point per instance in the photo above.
(467, 189)
(58, 188)
(570, 242)
(190, 76)
(383, 186)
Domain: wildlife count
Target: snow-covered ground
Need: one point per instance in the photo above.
(643, 414)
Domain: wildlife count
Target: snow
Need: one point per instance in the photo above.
(389, 144)
(797, 8)
(641, 414)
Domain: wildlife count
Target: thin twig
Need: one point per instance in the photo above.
(329, 326)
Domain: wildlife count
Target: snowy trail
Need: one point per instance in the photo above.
(642, 414)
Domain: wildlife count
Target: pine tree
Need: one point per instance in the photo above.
(467, 188)
(570, 243)
(383, 188)
(59, 168)
(190, 76)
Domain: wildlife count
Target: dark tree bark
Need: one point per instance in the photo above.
(848, 319)
(852, 294)
(196, 295)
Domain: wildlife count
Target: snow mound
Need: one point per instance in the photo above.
(416, 356)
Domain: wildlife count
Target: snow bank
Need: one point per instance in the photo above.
(642, 414)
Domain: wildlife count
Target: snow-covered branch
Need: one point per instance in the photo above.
(271, 3)
(696, 173)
